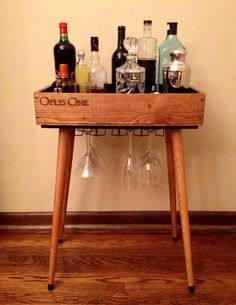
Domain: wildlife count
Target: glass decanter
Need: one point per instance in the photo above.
(130, 77)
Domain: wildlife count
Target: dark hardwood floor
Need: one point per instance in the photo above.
(117, 269)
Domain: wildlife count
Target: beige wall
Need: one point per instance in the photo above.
(29, 30)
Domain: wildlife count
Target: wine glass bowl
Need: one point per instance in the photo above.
(129, 173)
(90, 164)
(149, 173)
(149, 170)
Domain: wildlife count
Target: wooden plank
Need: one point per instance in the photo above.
(117, 269)
(109, 109)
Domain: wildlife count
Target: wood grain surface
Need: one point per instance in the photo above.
(86, 109)
(117, 269)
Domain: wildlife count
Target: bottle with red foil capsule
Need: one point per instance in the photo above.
(64, 52)
(63, 83)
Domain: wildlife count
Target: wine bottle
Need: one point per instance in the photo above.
(63, 83)
(82, 73)
(97, 72)
(118, 57)
(147, 56)
(170, 44)
(64, 52)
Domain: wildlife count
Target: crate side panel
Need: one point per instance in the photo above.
(121, 110)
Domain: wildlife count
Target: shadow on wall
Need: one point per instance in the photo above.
(206, 162)
(106, 192)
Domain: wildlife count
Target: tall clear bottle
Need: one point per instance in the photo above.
(147, 52)
(82, 73)
(118, 57)
(97, 72)
(64, 52)
(170, 44)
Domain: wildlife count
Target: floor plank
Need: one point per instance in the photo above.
(117, 269)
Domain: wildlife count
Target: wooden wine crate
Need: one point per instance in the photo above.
(112, 109)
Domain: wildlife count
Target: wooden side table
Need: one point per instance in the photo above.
(172, 112)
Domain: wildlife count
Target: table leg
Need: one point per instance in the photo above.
(182, 198)
(64, 139)
(70, 148)
(171, 180)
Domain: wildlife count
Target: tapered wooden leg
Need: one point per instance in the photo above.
(64, 138)
(171, 180)
(182, 198)
(70, 148)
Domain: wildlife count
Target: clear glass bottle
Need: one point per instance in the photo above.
(130, 77)
(82, 73)
(170, 44)
(147, 52)
(63, 83)
(118, 57)
(97, 72)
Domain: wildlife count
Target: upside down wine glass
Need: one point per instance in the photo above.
(130, 168)
(90, 164)
(149, 172)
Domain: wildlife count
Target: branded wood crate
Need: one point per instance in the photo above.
(112, 109)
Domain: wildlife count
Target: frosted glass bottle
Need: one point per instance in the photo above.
(97, 72)
(82, 73)
(170, 44)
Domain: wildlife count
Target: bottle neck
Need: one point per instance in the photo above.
(121, 37)
(172, 30)
(94, 44)
(147, 31)
(81, 61)
(64, 77)
(94, 57)
(131, 58)
(171, 36)
(63, 34)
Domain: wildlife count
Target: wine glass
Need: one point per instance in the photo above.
(149, 172)
(89, 164)
(96, 154)
(130, 168)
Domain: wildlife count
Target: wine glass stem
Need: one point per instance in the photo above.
(90, 140)
(150, 141)
(87, 142)
(130, 143)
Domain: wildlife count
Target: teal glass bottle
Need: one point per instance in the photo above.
(170, 44)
